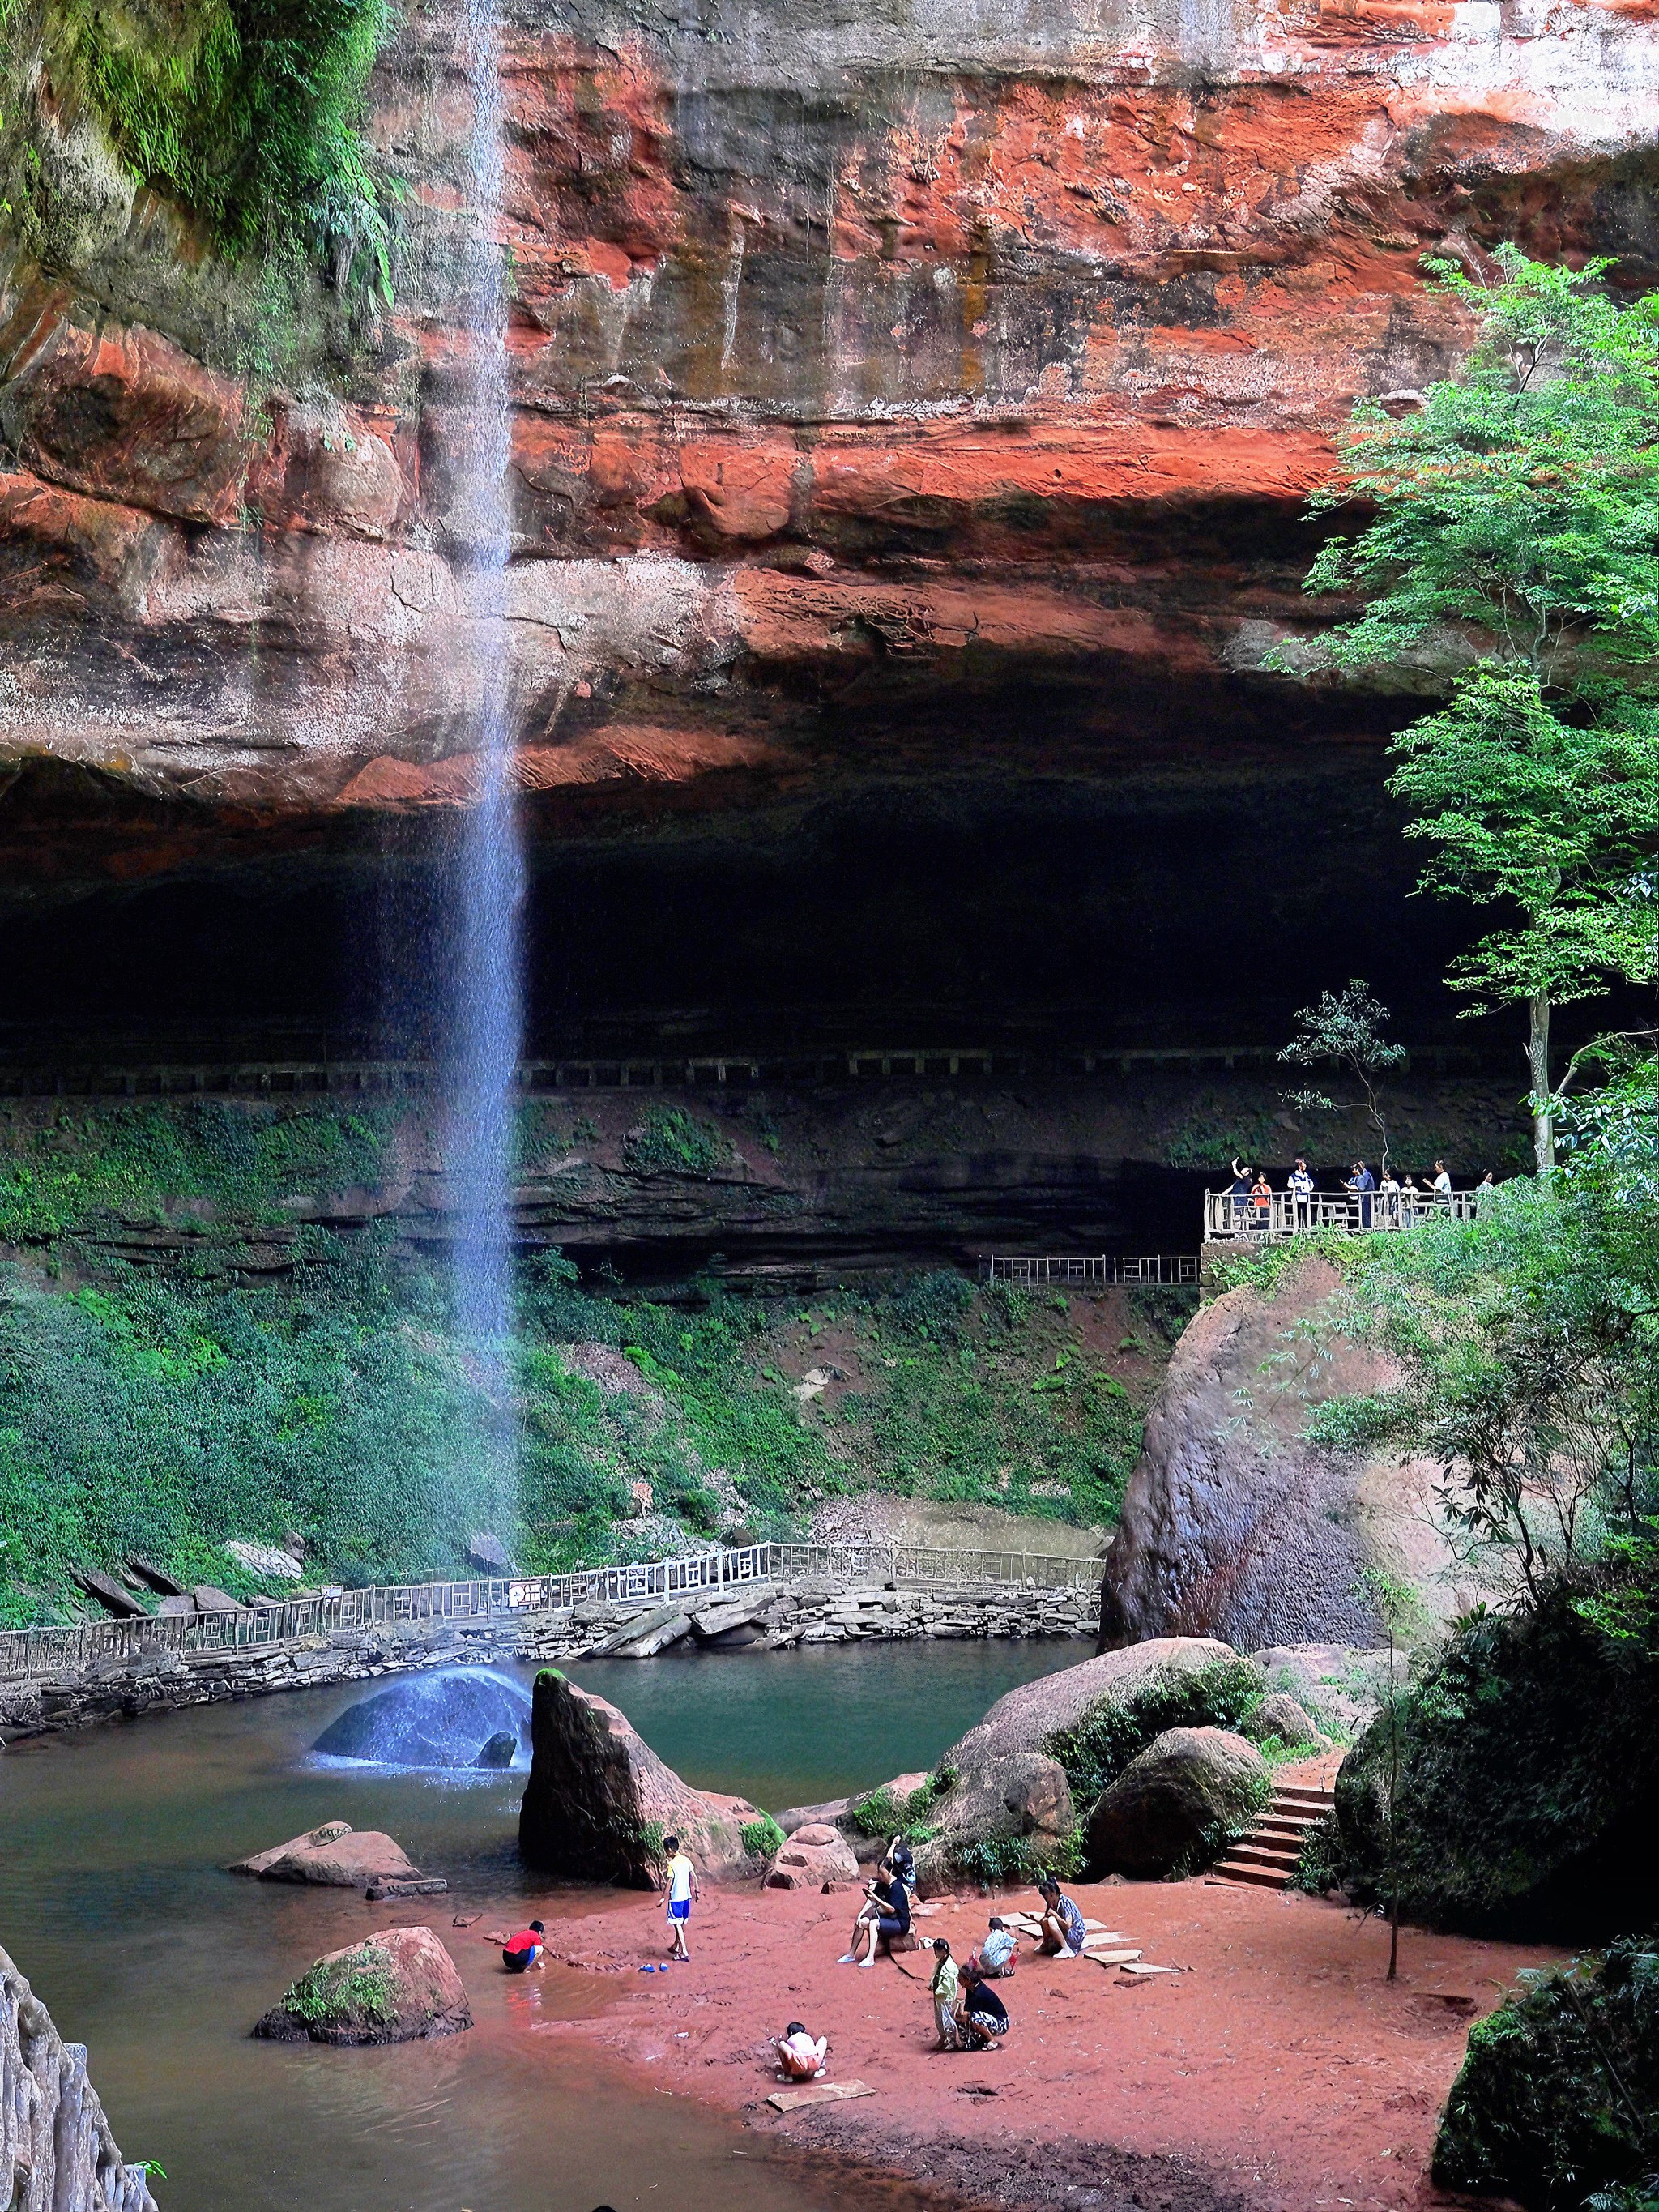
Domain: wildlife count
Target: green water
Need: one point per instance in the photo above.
(113, 1902)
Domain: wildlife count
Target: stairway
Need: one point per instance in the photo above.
(1266, 1857)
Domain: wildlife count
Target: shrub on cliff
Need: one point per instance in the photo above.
(1558, 2096)
(1528, 1793)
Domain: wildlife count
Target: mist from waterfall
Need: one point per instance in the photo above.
(484, 980)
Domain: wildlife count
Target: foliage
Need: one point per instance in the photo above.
(1516, 510)
(153, 1163)
(761, 1838)
(356, 1985)
(1518, 501)
(1558, 2096)
(672, 1141)
(1096, 1748)
(1003, 1862)
(247, 113)
(1527, 1760)
(161, 1408)
(1528, 1342)
(1350, 1027)
(881, 1814)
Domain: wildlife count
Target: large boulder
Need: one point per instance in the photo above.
(1523, 1770)
(1282, 1716)
(599, 1801)
(1178, 1804)
(1234, 1526)
(336, 1856)
(1028, 1717)
(396, 1986)
(1000, 1819)
(443, 1718)
(814, 1854)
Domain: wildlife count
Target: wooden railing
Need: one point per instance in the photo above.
(1340, 1212)
(1147, 1268)
(29, 1653)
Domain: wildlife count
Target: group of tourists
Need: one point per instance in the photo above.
(1384, 1202)
(969, 2014)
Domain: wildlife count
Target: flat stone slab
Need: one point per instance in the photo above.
(817, 2093)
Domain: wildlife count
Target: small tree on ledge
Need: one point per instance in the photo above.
(1347, 1026)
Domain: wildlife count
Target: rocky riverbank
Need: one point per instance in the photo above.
(773, 1617)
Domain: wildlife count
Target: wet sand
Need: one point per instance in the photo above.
(1277, 2069)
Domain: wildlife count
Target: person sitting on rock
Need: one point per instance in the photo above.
(799, 2055)
(523, 1950)
(982, 2016)
(886, 1914)
(945, 1987)
(998, 1955)
(1062, 1923)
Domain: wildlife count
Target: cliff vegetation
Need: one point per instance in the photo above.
(180, 1363)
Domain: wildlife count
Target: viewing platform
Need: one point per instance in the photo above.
(1287, 1213)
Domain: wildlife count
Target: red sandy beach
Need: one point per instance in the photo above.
(1277, 2069)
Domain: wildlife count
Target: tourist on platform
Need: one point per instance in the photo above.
(1062, 1923)
(944, 1986)
(1300, 1185)
(1261, 1202)
(682, 1894)
(523, 1950)
(1240, 1195)
(1388, 1199)
(800, 2056)
(1443, 1189)
(998, 1955)
(982, 2016)
(1362, 1182)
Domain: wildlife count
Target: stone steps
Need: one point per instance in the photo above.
(1266, 1857)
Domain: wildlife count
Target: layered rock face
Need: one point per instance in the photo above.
(1234, 1526)
(55, 2147)
(896, 397)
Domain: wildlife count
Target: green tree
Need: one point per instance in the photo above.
(1349, 1027)
(1553, 818)
(1515, 529)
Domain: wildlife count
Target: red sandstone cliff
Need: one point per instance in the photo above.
(865, 369)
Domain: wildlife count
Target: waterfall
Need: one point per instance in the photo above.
(485, 1009)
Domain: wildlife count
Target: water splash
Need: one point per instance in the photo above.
(486, 992)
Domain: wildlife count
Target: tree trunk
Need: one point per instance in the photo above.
(1538, 1060)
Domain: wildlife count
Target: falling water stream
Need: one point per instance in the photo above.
(486, 1011)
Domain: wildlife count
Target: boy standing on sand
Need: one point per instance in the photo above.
(682, 1891)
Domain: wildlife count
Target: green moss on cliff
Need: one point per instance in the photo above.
(159, 1409)
(246, 113)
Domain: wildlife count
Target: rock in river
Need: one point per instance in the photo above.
(1179, 1805)
(441, 1719)
(394, 1987)
(599, 1801)
(336, 1856)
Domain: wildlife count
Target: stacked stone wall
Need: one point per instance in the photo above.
(817, 1611)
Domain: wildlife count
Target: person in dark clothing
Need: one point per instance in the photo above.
(982, 2016)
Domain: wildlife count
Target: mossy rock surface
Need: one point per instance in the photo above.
(399, 1985)
(1528, 1782)
(1178, 1804)
(1559, 2096)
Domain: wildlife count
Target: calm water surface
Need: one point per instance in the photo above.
(113, 1901)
